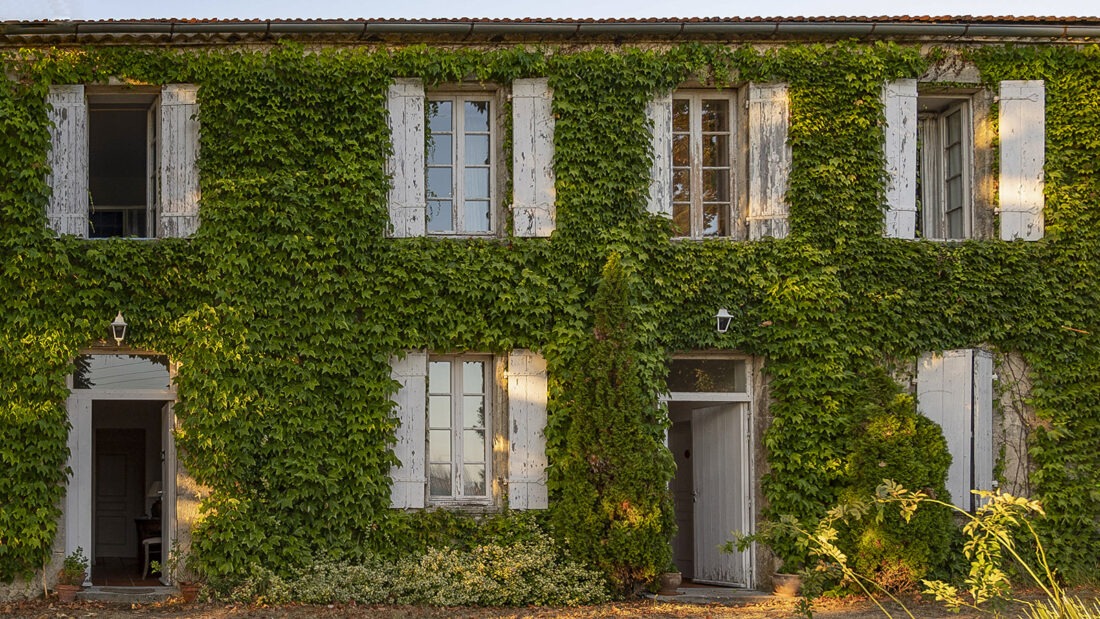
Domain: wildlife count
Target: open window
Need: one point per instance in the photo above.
(945, 150)
(122, 163)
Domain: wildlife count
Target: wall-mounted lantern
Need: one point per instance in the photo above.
(118, 329)
(723, 318)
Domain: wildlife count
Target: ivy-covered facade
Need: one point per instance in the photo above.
(384, 278)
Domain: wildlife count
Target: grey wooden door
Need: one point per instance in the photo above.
(718, 437)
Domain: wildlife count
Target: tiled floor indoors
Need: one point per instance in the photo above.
(121, 572)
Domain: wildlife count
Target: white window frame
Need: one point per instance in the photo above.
(695, 167)
(457, 462)
(933, 159)
(458, 165)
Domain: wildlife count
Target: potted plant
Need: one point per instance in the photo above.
(669, 580)
(790, 556)
(70, 579)
(175, 566)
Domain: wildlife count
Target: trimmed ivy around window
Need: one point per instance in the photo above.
(285, 306)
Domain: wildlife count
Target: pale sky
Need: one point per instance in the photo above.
(271, 9)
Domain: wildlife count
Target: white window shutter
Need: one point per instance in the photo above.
(899, 100)
(983, 422)
(407, 201)
(67, 210)
(769, 160)
(409, 477)
(955, 390)
(659, 113)
(533, 191)
(1023, 142)
(527, 430)
(178, 200)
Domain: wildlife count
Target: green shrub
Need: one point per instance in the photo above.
(895, 442)
(613, 469)
(524, 573)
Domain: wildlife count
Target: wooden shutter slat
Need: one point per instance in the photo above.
(1022, 127)
(659, 113)
(533, 190)
(67, 210)
(769, 160)
(527, 427)
(899, 100)
(407, 199)
(178, 199)
(409, 477)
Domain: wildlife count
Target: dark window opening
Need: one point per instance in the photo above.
(120, 170)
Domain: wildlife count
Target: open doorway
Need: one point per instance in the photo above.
(711, 440)
(127, 480)
(120, 502)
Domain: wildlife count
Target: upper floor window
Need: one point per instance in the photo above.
(460, 162)
(123, 161)
(945, 148)
(702, 163)
(122, 156)
(721, 161)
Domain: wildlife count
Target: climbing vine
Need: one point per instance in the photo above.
(285, 307)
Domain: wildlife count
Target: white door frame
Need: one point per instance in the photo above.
(746, 465)
(78, 495)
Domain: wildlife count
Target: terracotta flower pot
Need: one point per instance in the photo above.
(66, 594)
(189, 591)
(669, 582)
(786, 585)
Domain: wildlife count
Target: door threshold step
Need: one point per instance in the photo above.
(127, 595)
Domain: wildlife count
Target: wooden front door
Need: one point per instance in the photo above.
(119, 490)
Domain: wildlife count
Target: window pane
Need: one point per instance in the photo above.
(477, 150)
(473, 483)
(439, 216)
(439, 445)
(439, 411)
(439, 377)
(473, 445)
(439, 149)
(955, 228)
(121, 372)
(715, 221)
(954, 127)
(716, 115)
(440, 480)
(477, 183)
(716, 185)
(477, 116)
(681, 218)
(707, 375)
(473, 411)
(681, 150)
(681, 185)
(439, 183)
(681, 115)
(439, 116)
(473, 377)
(716, 151)
(477, 217)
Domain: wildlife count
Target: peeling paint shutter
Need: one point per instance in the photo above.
(178, 208)
(983, 422)
(67, 210)
(955, 390)
(407, 202)
(533, 157)
(659, 113)
(527, 430)
(769, 160)
(409, 476)
(1023, 142)
(899, 100)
